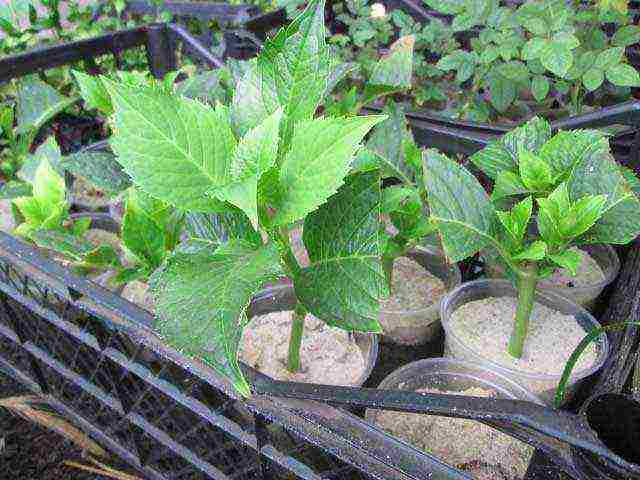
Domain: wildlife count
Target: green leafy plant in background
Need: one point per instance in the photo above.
(392, 73)
(260, 165)
(542, 50)
(569, 183)
(36, 104)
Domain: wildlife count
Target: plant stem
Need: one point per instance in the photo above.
(527, 281)
(295, 340)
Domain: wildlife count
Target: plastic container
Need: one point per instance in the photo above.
(543, 385)
(451, 375)
(416, 327)
(282, 297)
(614, 419)
(604, 255)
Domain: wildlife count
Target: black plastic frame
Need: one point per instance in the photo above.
(96, 358)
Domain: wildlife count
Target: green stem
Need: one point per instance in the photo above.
(527, 281)
(295, 340)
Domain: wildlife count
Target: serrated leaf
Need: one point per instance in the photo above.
(528, 137)
(219, 228)
(345, 281)
(566, 148)
(459, 206)
(495, 158)
(102, 256)
(386, 140)
(37, 103)
(320, 156)
(557, 58)
(582, 215)
(165, 143)
(540, 87)
(623, 75)
(598, 174)
(201, 301)
(631, 178)
(254, 155)
(568, 40)
(141, 234)
(517, 220)
(627, 35)
(298, 63)
(93, 92)
(508, 184)
(254, 99)
(593, 78)
(534, 171)
(535, 252)
(99, 168)
(395, 69)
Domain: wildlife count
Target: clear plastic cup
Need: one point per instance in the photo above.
(420, 326)
(543, 385)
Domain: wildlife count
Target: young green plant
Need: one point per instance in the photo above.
(569, 183)
(263, 164)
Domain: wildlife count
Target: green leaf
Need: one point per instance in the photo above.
(593, 78)
(502, 92)
(298, 63)
(568, 147)
(93, 92)
(50, 151)
(540, 87)
(345, 281)
(494, 159)
(80, 226)
(582, 215)
(203, 86)
(631, 178)
(392, 197)
(598, 174)
(536, 251)
(386, 140)
(396, 68)
(255, 154)
(529, 137)
(320, 156)
(103, 256)
(14, 189)
(549, 215)
(68, 245)
(534, 48)
(99, 168)
(219, 228)
(520, 215)
(566, 39)
(506, 185)
(141, 234)
(609, 58)
(459, 206)
(568, 259)
(535, 172)
(37, 103)
(557, 58)
(254, 99)
(165, 143)
(514, 70)
(626, 36)
(623, 75)
(201, 301)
